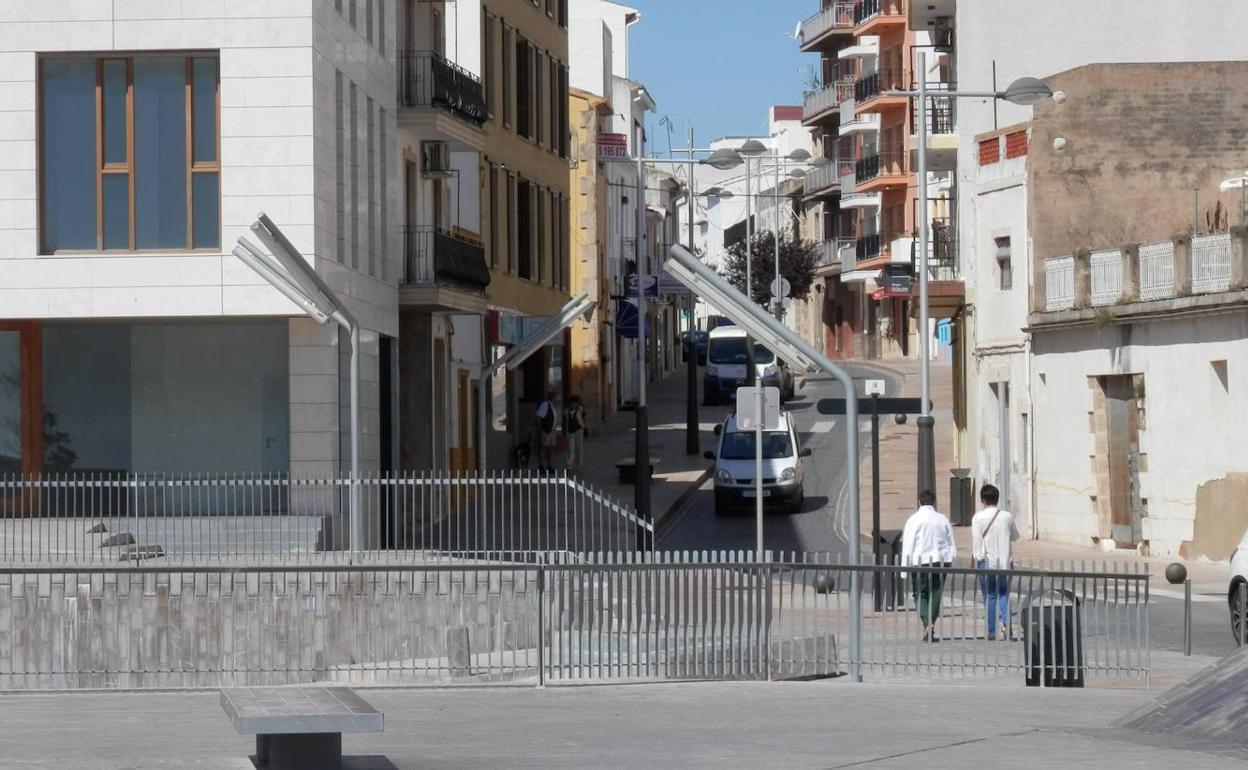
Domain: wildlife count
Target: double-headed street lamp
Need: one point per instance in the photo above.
(1024, 92)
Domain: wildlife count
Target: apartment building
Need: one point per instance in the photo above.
(868, 190)
(1005, 219)
(526, 198)
(138, 143)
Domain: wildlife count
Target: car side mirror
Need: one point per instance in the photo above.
(708, 454)
(719, 429)
(805, 452)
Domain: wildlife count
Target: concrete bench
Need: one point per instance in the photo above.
(299, 727)
(628, 469)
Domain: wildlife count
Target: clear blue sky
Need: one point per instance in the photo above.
(718, 63)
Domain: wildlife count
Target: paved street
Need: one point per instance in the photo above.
(815, 725)
(821, 526)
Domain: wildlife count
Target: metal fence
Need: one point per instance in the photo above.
(1059, 274)
(1156, 270)
(837, 15)
(1211, 263)
(1106, 266)
(568, 619)
(83, 520)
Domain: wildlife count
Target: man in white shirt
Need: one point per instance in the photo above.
(993, 533)
(928, 540)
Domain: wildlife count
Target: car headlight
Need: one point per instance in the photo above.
(723, 475)
(788, 474)
(711, 370)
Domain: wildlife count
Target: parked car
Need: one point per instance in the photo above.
(726, 359)
(1239, 576)
(698, 340)
(734, 458)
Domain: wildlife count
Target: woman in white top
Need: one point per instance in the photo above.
(993, 533)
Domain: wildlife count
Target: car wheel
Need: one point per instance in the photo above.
(720, 509)
(1237, 622)
(798, 503)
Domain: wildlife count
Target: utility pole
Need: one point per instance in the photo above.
(691, 350)
(641, 490)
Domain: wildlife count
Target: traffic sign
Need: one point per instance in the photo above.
(652, 286)
(747, 408)
(780, 287)
(874, 387)
(884, 405)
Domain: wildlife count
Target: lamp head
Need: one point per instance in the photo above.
(800, 155)
(1027, 92)
(724, 159)
(752, 147)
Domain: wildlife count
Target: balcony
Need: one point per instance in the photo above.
(942, 251)
(450, 262)
(836, 19)
(820, 105)
(871, 17)
(926, 15)
(880, 171)
(438, 96)
(823, 181)
(942, 131)
(868, 247)
(1186, 273)
(831, 251)
(870, 90)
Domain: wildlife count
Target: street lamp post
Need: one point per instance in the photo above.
(1025, 92)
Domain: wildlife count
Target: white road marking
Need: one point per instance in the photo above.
(823, 426)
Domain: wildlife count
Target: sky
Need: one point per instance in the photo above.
(718, 64)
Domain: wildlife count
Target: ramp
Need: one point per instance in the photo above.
(1211, 708)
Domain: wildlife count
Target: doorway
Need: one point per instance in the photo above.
(1121, 459)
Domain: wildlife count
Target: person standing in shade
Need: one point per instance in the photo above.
(546, 435)
(927, 540)
(993, 533)
(574, 427)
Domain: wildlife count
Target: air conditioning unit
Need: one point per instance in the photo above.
(437, 158)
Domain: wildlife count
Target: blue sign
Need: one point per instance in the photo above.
(944, 332)
(626, 319)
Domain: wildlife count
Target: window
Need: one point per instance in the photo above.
(556, 128)
(508, 66)
(1016, 144)
(371, 179)
(384, 229)
(513, 189)
(539, 89)
(340, 163)
(351, 12)
(524, 88)
(1005, 272)
(381, 27)
(543, 224)
(563, 13)
(355, 177)
(488, 64)
(137, 168)
(563, 111)
(368, 20)
(524, 229)
(989, 151)
(493, 204)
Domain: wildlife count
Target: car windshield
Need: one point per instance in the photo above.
(732, 350)
(740, 446)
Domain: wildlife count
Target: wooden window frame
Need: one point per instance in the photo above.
(103, 169)
(30, 384)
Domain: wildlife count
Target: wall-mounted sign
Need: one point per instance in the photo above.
(612, 147)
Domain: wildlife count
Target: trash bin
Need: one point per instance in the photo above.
(961, 497)
(890, 588)
(1053, 639)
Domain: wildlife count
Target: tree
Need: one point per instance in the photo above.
(798, 261)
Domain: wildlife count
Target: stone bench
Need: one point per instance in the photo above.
(299, 727)
(628, 469)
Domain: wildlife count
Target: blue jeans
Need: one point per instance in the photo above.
(996, 591)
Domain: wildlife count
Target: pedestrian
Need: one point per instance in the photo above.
(574, 428)
(927, 540)
(546, 435)
(993, 533)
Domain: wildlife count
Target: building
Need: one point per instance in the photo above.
(1000, 236)
(525, 72)
(139, 142)
(1139, 323)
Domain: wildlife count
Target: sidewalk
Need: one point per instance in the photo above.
(898, 477)
(677, 473)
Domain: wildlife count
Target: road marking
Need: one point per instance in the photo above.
(823, 426)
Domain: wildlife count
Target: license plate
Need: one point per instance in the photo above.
(754, 493)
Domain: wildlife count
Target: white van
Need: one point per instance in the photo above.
(726, 360)
(735, 486)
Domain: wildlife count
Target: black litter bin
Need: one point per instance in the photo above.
(1053, 639)
(961, 497)
(890, 588)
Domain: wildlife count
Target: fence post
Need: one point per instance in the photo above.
(1083, 279)
(1130, 273)
(767, 578)
(541, 626)
(1239, 258)
(1182, 265)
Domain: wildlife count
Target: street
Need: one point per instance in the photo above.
(822, 525)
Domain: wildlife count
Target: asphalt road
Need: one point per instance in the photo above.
(822, 525)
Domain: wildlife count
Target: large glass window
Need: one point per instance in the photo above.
(164, 397)
(10, 402)
(130, 153)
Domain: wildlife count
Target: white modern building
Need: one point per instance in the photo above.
(138, 142)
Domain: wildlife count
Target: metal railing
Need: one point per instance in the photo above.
(594, 618)
(942, 261)
(432, 254)
(1059, 283)
(868, 247)
(830, 253)
(273, 519)
(428, 79)
(827, 98)
(1156, 270)
(1106, 266)
(1211, 263)
(838, 15)
(866, 10)
(885, 163)
(872, 85)
(823, 177)
(941, 111)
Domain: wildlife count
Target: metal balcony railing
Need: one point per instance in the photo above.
(427, 79)
(838, 15)
(1059, 283)
(1156, 270)
(831, 252)
(827, 98)
(866, 10)
(432, 255)
(1211, 263)
(822, 178)
(942, 250)
(1106, 268)
(888, 162)
(941, 112)
(868, 247)
(872, 85)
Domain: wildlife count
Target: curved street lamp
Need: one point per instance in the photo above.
(724, 159)
(1027, 92)
(752, 147)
